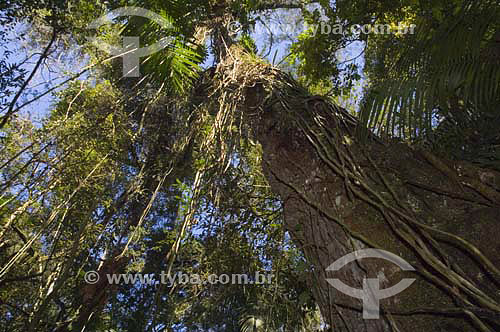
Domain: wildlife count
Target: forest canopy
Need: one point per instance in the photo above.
(200, 165)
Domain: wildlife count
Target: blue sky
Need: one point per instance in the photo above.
(69, 61)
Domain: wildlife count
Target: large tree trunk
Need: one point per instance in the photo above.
(341, 194)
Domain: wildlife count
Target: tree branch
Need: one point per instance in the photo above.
(44, 55)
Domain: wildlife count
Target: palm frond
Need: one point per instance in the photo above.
(456, 59)
(176, 65)
(251, 324)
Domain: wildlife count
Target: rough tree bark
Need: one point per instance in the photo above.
(341, 194)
